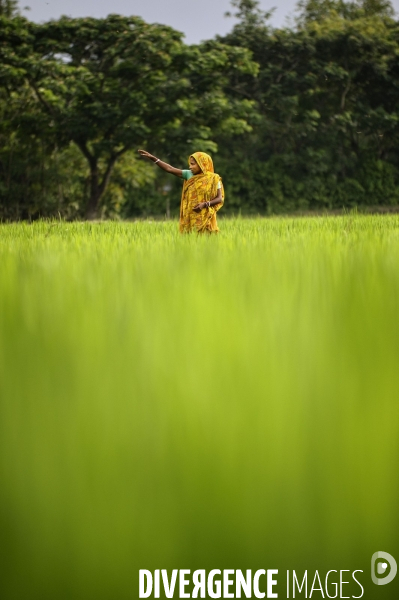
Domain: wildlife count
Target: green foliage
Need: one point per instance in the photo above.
(318, 10)
(328, 119)
(115, 84)
(130, 178)
(105, 86)
(111, 85)
(302, 118)
(8, 8)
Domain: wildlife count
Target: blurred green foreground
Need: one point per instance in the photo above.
(200, 403)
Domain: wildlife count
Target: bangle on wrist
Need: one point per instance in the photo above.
(155, 161)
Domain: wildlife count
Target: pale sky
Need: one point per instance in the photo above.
(197, 19)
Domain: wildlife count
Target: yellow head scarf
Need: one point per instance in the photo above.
(200, 188)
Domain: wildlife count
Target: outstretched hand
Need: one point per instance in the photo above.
(145, 154)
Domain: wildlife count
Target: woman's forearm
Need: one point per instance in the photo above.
(218, 199)
(209, 203)
(163, 165)
(168, 168)
(160, 163)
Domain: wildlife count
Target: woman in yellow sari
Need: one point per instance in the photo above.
(203, 192)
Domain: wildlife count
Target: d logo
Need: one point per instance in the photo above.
(384, 559)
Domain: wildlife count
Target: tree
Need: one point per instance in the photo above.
(301, 118)
(377, 7)
(23, 144)
(317, 10)
(114, 84)
(8, 8)
(249, 14)
(328, 127)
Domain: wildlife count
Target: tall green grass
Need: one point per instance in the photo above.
(183, 402)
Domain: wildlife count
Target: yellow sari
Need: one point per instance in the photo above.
(200, 188)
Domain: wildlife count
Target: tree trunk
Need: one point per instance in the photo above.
(95, 196)
(97, 189)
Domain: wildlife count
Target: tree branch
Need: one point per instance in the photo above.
(85, 151)
(110, 167)
(41, 99)
(344, 93)
(107, 174)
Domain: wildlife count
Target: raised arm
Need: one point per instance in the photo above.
(162, 165)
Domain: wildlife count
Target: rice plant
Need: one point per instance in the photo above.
(183, 402)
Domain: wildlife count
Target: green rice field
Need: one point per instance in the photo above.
(183, 402)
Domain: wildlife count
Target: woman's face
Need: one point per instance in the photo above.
(194, 166)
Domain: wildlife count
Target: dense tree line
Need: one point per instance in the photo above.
(305, 117)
